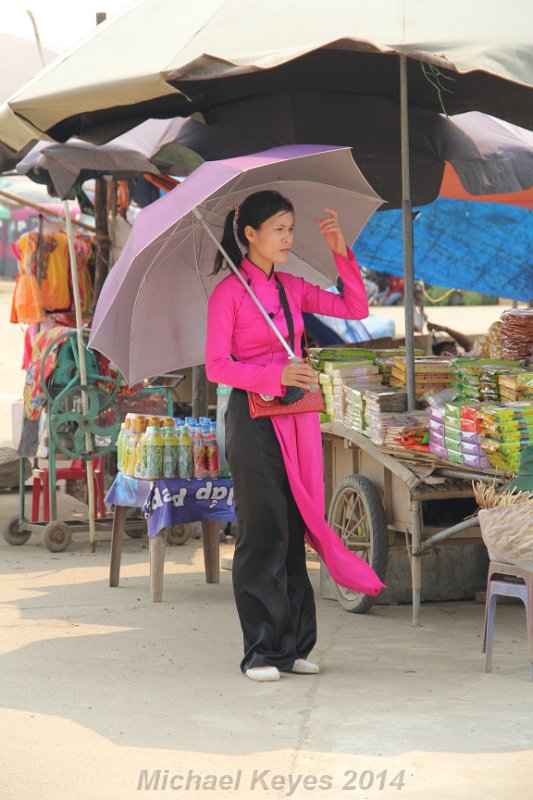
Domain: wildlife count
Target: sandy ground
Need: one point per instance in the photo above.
(105, 695)
(470, 320)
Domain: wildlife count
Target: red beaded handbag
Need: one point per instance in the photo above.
(265, 406)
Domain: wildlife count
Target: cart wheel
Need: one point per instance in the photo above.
(177, 534)
(356, 514)
(15, 532)
(57, 536)
(137, 531)
(135, 524)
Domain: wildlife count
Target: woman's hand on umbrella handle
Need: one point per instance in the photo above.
(332, 232)
(301, 375)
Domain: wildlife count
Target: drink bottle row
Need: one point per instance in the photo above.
(151, 447)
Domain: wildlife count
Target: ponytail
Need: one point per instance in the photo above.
(255, 210)
(229, 243)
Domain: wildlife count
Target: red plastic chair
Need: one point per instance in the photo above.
(76, 472)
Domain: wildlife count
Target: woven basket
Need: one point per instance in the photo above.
(508, 534)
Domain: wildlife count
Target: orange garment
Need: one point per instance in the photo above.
(27, 300)
(54, 267)
(54, 284)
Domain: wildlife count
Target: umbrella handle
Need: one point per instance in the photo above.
(234, 269)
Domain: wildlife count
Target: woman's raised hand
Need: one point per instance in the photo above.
(332, 232)
(299, 374)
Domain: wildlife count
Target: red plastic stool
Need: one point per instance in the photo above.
(76, 472)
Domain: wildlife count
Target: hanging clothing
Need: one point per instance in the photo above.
(27, 305)
(236, 327)
(33, 301)
(34, 394)
(55, 273)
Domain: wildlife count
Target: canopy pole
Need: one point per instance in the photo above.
(232, 266)
(407, 240)
(83, 369)
(42, 210)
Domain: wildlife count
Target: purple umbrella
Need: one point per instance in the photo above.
(152, 311)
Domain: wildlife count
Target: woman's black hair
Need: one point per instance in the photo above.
(255, 210)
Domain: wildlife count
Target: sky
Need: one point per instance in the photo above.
(61, 22)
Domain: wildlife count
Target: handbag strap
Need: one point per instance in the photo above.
(286, 311)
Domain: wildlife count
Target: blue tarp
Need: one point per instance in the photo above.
(462, 244)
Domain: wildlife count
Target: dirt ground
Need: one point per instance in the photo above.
(105, 695)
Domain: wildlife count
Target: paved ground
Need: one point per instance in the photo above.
(105, 695)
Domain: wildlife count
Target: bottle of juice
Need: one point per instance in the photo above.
(223, 395)
(170, 452)
(130, 449)
(199, 453)
(120, 445)
(185, 455)
(140, 452)
(154, 445)
(213, 463)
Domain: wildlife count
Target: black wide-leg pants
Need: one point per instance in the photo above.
(272, 589)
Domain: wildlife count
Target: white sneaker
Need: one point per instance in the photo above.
(263, 673)
(304, 667)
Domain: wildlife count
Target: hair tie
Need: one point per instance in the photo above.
(236, 208)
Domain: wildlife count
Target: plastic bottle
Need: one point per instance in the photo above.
(170, 452)
(120, 446)
(140, 451)
(223, 393)
(130, 450)
(185, 455)
(199, 453)
(154, 445)
(212, 456)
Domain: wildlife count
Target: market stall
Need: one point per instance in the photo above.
(390, 474)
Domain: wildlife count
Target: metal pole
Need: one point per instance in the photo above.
(407, 239)
(83, 369)
(37, 37)
(101, 266)
(416, 559)
(465, 525)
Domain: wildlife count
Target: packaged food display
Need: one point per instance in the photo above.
(506, 430)
(516, 386)
(432, 374)
(478, 378)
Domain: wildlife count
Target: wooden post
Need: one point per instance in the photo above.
(200, 398)
(101, 266)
